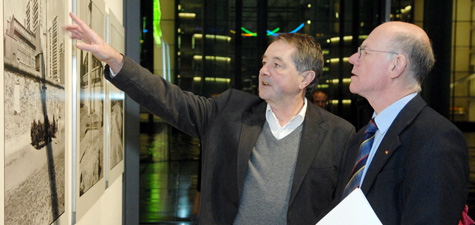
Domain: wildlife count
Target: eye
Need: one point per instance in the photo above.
(277, 65)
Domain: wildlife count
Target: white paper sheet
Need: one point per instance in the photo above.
(354, 209)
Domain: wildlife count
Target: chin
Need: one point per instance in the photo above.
(353, 90)
(264, 97)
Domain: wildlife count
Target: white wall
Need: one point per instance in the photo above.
(108, 209)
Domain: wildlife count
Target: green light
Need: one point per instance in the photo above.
(157, 30)
(247, 31)
(269, 33)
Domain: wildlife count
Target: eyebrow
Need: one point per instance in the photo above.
(278, 58)
(274, 58)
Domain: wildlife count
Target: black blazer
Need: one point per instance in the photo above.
(228, 127)
(419, 174)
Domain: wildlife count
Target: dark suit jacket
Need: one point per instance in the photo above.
(228, 127)
(419, 174)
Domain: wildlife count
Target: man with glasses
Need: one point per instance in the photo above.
(413, 168)
(364, 48)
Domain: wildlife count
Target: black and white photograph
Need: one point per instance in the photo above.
(34, 111)
(116, 129)
(91, 106)
(116, 105)
(91, 166)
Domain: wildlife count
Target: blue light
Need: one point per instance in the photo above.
(298, 28)
(271, 33)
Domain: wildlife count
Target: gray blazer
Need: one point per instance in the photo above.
(228, 127)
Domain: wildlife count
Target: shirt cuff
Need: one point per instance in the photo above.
(112, 74)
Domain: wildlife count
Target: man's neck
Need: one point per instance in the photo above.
(285, 112)
(379, 103)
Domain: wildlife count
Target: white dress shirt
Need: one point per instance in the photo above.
(280, 132)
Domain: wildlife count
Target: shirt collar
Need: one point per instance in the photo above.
(297, 119)
(386, 117)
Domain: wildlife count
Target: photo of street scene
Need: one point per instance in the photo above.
(91, 121)
(34, 100)
(116, 96)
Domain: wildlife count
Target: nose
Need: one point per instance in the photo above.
(264, 70)
(354, 59)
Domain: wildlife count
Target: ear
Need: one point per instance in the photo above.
(398, 66)
(307, 78)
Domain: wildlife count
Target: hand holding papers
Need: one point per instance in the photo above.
(354, 209)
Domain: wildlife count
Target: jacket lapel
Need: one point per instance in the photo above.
(391, 140)
(253, 122)
(310, 143)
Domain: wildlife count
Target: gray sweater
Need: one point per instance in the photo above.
(266, 192)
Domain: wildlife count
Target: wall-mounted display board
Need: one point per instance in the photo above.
(115, 108)
(33, 91)
(61, 123)
(2, 124)
(90, 182)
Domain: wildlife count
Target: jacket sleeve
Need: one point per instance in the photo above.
(182, 109)
(436, 184)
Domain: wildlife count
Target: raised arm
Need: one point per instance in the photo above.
(92, 42)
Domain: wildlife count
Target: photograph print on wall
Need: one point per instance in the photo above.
(90, 169)
(34, 103)
(91, 104)
(116, 105)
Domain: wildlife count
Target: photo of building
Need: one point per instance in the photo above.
(34, 111)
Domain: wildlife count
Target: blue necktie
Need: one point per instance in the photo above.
(365, 148)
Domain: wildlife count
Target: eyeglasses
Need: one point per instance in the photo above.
(370, 50)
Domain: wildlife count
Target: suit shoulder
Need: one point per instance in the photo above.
(242, 94)
(233, 100)
(336, 121)
(431, 118)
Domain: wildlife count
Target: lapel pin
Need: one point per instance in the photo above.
(386, 152)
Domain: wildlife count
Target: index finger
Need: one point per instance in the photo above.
(76, 19)
(85, 28)
(88, 32)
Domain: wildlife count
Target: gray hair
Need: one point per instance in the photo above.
(419, 54)
(308, 54)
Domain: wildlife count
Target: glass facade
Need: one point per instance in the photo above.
(218, 44)
(462, 83)
(210, 46)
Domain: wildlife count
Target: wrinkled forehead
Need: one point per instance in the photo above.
(281, 43)
(279, 49)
